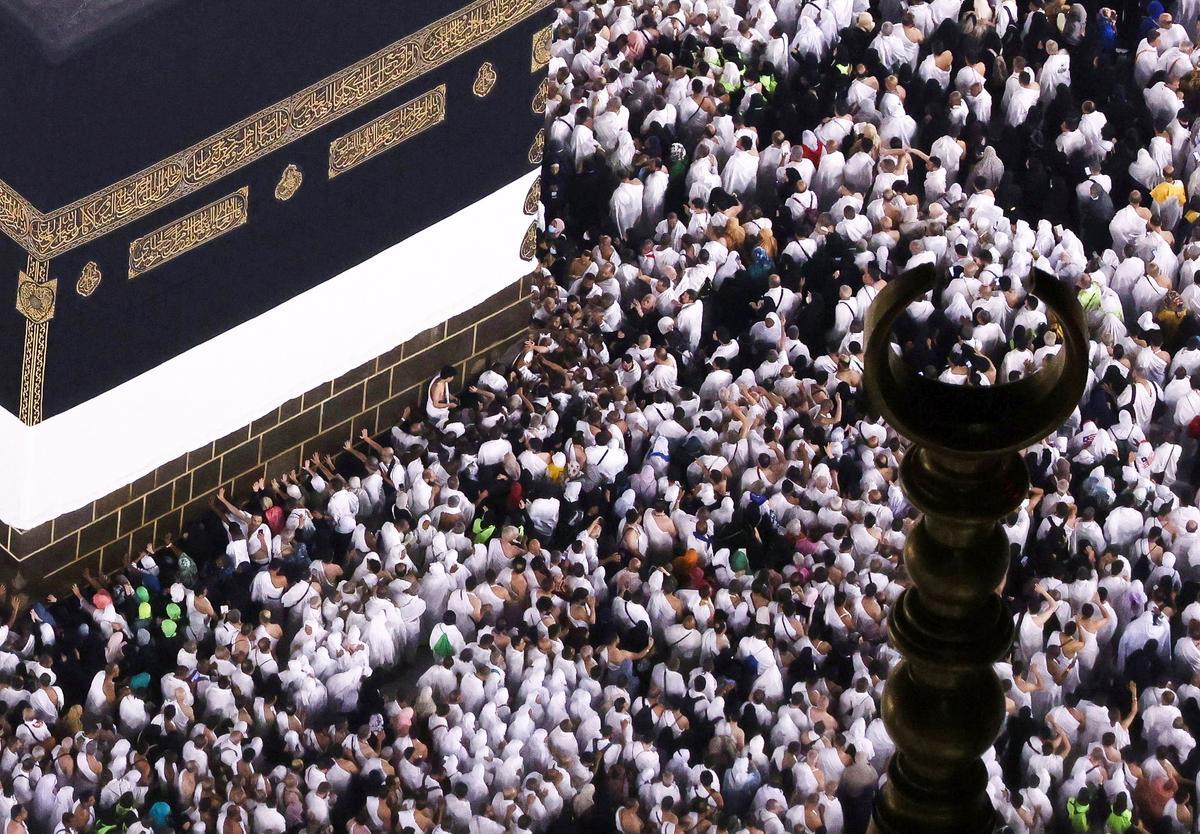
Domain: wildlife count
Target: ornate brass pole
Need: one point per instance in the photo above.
(943, 705)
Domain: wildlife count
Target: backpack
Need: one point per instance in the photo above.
(1193, 428)
(643, 721)
(689, 450)
(443, 648)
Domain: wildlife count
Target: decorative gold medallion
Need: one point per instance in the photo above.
(529, 242)
(539, 97)
(89, 279)
(533, 197)
(186, 233)
(485, 79)
(537, 148)
(289, 183)
(541, 49)
(35, 300)
(388, 131)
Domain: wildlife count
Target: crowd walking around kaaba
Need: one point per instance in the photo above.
(636, 578)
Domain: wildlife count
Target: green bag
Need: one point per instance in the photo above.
(443, 648)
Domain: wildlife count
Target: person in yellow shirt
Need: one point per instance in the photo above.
(1077, 811)
(1170, 316)
(1169, 198)
(1120, 818)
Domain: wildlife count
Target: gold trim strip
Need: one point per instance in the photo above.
(50, 235)
(540, 58)
(388, 131)
(33, 355)
(185, 234)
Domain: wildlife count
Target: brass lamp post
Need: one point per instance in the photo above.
(943, 705)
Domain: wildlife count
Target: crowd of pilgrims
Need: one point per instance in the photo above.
(637, 579)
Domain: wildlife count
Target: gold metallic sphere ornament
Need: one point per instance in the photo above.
(943, 704)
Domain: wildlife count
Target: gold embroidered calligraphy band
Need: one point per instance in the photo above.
(388, 131)
(35, 301)
(50, 235)
(186, 233)
(541, 49)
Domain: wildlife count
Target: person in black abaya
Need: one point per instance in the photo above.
(809, 318)
(1095, 212)
(1034, 183)
(556, 191)
(734, 297)
(1008, 195)
(1122, 157)
(591, 212)
(1038, 30)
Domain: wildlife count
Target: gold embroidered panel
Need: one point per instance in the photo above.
(52, 234)
(537, 148)
(541, 49)
(533, 197)
(529, 242)
(485, 80)
(538, 105)
(185, 234)
(37, 333)
(289, 183)
(16, 214)
(388, 131)
(89, 279)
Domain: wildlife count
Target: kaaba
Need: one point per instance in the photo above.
(171, 172)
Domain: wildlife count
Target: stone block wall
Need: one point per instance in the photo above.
(371, 396)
